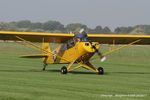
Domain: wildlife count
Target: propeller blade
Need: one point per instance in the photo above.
(82, 30)
(103, 59)
(99, 53)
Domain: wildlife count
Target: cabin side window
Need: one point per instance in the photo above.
(68, 45)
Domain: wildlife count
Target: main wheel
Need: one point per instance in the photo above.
(64, 70)
(100, 71)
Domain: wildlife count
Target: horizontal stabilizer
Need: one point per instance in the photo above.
(34, 56)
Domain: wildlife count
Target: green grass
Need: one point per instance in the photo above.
(126, 72)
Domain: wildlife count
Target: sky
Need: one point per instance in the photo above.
(111, 13)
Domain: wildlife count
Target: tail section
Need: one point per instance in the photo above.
(47, 54)
(46, 48)
(46, 51)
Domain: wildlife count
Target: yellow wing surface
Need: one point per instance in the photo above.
(63, 37)
(120, 39)
(36, 37)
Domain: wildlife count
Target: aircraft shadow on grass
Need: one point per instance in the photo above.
(55, 71)
(72, 72)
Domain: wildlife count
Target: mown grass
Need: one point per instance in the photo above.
(127, 72)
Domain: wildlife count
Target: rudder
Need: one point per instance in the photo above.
(47, 51)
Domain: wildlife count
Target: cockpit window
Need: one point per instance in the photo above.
(68, 45)
(77, 38)
(81, 37)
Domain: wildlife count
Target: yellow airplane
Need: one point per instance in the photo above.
(76, 48)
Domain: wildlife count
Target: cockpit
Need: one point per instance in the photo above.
(77, 38)
(81, 37)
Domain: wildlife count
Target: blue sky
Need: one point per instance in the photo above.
(110, 13)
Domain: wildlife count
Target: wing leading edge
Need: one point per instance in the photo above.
(120, 39)
(36, 37)
(63, 37)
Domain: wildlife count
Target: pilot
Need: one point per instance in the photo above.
(78, 39)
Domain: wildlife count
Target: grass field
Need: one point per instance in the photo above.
(127, 77)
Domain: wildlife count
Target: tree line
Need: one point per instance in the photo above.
(57, 27)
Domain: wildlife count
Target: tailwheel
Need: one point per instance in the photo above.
(44, 67)
(64, 70)
(100, 71)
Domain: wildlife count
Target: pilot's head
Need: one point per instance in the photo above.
(81, 37)
(78, 39)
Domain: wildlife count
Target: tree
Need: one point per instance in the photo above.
(97, 30)
(145, 28)
(3, 26)
(106, 30)
(23, 24)
(7, 27)
(75, 27)
(53, 25)
(100, 30)
(36, 25)
(123, 30)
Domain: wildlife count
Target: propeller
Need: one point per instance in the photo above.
(102, 58)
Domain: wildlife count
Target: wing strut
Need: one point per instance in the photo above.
(118, 48)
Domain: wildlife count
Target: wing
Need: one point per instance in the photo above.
(62, 37)
(36, 37)
(119, 39)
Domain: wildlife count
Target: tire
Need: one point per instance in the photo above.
(64, 70)
(100, 71)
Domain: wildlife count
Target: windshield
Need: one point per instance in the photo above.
(71, 43)
(81, 37)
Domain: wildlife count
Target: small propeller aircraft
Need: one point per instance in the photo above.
(75, 48)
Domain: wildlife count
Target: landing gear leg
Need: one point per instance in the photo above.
(44, 67)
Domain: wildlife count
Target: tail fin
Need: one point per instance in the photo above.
(46, 48)
(46, 51)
